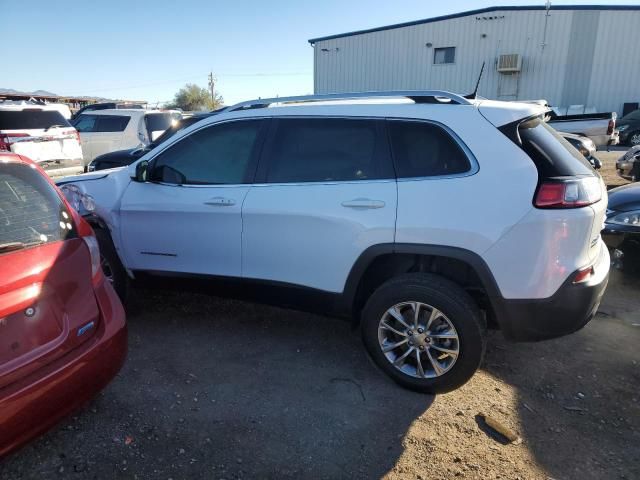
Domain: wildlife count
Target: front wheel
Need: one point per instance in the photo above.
(425, 332)
(111, 265)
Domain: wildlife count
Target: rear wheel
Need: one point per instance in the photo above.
(425, 332)
(112, 268)
(634, 139)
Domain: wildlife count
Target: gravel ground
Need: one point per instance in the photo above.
(218, 388)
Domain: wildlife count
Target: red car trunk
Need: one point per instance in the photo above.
(47, 301)
(46, 298)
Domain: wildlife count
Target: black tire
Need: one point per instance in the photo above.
(111, 261)
(631, 136)
(453, 302)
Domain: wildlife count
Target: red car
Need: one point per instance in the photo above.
(63, 335)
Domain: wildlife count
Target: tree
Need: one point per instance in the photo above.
(191, 97)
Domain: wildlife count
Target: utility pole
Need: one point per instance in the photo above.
(212, 81)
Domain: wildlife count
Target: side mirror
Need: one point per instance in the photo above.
(142, 171)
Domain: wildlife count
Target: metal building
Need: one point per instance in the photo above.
(587, 57)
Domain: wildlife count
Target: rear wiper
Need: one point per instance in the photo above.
(53, 126)
(8, 247)
(11, 246)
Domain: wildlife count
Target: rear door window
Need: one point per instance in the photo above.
(326, 150)
(422, 149)
(553, 155)
(31, 119)
(111, 123)
(31, 212)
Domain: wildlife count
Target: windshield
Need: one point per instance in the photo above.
(31, 119)
(31, 212)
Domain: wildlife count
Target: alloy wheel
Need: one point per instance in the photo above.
(418, 339)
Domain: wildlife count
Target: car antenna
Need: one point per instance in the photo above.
(474, 94)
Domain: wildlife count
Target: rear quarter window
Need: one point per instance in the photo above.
(31, 212)
(31, 119)
(553, 155)
(422, 149)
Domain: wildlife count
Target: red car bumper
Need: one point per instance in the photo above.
(32, 405)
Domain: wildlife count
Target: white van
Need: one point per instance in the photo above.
(105, 131)
(41, 133)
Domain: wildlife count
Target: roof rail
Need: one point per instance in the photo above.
(418, 96)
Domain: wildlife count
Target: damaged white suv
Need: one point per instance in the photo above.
(424, 216)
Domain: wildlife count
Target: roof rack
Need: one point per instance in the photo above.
(418, 96)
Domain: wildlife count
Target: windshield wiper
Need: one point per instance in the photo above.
(10, 246)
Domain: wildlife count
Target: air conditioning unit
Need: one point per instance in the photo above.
(510, 63)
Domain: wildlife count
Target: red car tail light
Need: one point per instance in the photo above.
(583, 275)
(611, 127)
(573, 193)
(86, 233)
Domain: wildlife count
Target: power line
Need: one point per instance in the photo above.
(195, 77)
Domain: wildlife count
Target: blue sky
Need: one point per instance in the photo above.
(144, 50)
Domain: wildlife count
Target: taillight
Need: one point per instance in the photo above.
(86, 233)
(583, 275)
(611, 127)
(94, 251)
(573, 193)
(73, 132)
(5, 140)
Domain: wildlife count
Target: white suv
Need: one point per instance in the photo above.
(41, 133)
(424, 216)
(104, 131)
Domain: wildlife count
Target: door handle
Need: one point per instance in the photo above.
(220, 202)
(363, 203)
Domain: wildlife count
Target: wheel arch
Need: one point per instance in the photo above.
(379, 263)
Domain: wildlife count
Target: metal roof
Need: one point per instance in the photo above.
(476, 12)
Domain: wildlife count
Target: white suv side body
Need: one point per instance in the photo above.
(448, 251)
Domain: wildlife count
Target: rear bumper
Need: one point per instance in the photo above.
(32, 405)
(566, 311)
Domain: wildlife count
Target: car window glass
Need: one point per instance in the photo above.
(85, 123)
(111, 123)
(422, 149)
(215, 155)
(31, 212)
(323, 149)
(31, 118)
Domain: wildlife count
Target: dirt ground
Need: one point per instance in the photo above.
(223, 389)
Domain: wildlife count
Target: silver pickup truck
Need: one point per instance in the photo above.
(599, 127)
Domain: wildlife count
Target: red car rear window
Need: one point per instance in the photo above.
(31, 212)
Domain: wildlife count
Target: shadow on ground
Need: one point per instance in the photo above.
(216, 388)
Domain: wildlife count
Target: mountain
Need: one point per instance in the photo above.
(37, 92)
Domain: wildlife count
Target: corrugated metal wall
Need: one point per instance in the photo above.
(400, 59)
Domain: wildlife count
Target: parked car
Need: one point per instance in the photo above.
(599, 127)
(62, 327)
(404, 215)
(42, 134)
(106, 131)
(629, 128)
(622, 226)
(121, 158)
(628, 165)
(585, 146)
(107, 106)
